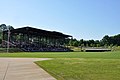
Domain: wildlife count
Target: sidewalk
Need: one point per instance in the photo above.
(22, 69)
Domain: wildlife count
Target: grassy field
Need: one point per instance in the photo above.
(77, 65)
(83, 69)
(101, 55)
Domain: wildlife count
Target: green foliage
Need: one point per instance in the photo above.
(105, 42)
(115, 48)
(76, 43)
(112, 40)
(3, 27)
(70, 42)
(75, 48)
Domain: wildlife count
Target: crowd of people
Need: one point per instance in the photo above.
(38, 47)
(33, 47)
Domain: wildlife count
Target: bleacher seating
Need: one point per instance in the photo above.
(34, 47)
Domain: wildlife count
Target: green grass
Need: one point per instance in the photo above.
(11, 50)
(82, 69)
(103, 55)
(77, 65)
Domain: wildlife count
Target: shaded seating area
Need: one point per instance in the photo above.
(35, 40)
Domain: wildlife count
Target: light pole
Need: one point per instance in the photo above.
(8, 46)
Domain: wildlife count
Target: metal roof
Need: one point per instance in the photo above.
(38, 32)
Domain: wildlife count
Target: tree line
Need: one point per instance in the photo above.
(105, 41)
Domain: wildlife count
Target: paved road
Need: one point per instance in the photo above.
(22, 69)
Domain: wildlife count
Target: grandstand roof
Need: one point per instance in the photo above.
(39, 32)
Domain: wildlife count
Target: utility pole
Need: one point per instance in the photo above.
(8, 46)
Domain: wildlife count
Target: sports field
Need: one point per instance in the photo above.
(77, 65)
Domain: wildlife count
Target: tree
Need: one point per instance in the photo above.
(97, 43)
(70, 42)
(116, 39)
(10, 27)
(106, 40)
(3, 27)
(76, 43)
(91, 42)
(81, 42)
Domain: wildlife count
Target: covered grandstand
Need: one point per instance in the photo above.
(35, 40)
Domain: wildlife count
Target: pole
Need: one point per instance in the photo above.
(8, 46)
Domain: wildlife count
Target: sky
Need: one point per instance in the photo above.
(83, 19)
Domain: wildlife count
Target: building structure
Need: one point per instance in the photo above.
(33, 39)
